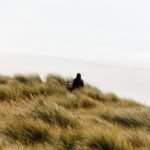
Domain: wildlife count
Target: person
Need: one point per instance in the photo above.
(77, 83)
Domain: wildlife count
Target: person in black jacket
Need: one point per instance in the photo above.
(77, 82)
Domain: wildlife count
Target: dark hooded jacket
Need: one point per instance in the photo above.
(77, 82)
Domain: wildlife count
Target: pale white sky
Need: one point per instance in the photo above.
(112, 30)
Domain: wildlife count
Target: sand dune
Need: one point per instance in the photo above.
(125, 81)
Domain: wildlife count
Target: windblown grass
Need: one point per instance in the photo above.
(70, 140)
(106, 141)
(56, 115)
(27, 132)
(4, 79)
(28, 79)
(130, 118)
(36, 114)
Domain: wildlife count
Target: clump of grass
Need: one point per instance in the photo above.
(110, 97)
(35, 78)
(126, 120)
(41, 89)
(70, 140)
(30, 86)
(28, 79)
(93, 93)
(138, 139)
(8, 92)
(67, 101)
(107, 141)
(55, 89)
(76, 102)
(129, 118)
(4, 79)
(57, 78)
(129, 103)
(87, 103)
(36, 90)
(56, 83)
(55, 114)
(4, 93)
(27, 132)
(22, 79)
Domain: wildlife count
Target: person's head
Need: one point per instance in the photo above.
(78, 76)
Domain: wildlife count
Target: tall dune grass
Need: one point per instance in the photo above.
(55, 114)
(27, 132)
(37, 114)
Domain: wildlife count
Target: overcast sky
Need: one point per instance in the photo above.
(84, 29)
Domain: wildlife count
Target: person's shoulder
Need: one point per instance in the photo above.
(82, 82)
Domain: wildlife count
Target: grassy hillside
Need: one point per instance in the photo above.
(39, 115)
